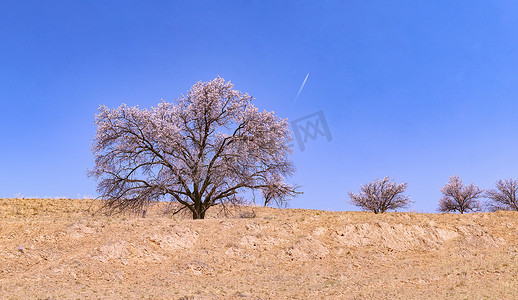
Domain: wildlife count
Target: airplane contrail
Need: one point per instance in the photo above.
(300, 90)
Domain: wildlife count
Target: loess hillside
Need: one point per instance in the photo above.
(60, 248)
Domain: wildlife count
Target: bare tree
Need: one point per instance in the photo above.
(504, 197)
(457, 197)
(379, 196)
(205, 149)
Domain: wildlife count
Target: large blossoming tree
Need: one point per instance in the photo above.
(205, 149)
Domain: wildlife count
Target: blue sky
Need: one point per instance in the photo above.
(416, 90)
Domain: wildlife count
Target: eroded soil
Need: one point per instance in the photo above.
(57, 248)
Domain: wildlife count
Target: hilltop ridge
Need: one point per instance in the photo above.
(57, 248)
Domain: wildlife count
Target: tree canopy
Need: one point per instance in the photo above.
(204, 149)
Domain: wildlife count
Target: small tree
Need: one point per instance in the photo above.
(203, 150)
(379, 196)
(277, 191)
(457, 197)
(504, 197)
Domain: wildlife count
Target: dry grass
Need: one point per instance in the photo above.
(57, 249)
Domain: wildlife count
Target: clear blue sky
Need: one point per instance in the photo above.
(416, 90)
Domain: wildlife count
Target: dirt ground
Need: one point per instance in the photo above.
(59, 249)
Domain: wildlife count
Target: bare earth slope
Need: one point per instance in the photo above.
(55, 249)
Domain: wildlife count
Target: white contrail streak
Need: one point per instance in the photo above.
(300, 90)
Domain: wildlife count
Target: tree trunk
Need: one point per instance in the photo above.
(197, 215)
(198, 212)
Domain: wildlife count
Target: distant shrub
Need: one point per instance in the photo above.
(247, 215)
(379, 196)
(504, 197)
(460, 198)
